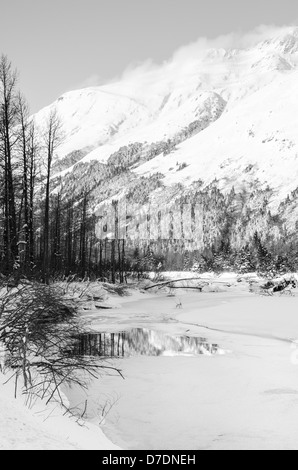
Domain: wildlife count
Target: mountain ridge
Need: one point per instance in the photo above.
(225, 119)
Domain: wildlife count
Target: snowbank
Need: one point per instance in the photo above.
(43, 427)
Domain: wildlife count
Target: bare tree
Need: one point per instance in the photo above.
(25, 153)
(83, 236)
(8, 139)
(53, 137)
(33, 150)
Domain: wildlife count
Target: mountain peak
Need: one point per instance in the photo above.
(228, 92)
(284, 43)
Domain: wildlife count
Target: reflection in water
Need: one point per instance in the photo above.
(139, 341)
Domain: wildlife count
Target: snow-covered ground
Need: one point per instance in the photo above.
(246, 399)
(43, 427)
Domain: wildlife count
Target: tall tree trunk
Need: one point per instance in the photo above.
(53, 138)
(25, 187)
(83, 238)
(8, 121)
(32, 176)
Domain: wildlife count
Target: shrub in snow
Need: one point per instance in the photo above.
(38, 328)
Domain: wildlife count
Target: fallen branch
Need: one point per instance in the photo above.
(165, 283)
(189, 287)
(103, 307)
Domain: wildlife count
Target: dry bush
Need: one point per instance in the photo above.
(38, 328)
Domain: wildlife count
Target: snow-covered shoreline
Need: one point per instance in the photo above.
(246, 399)
(43, 426)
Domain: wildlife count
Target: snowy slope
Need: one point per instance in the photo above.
(43, 427)
(246, 98)
(257, 138)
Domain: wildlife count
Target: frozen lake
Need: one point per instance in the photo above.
(183, 394)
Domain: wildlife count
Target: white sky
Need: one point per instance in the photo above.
(59, 45)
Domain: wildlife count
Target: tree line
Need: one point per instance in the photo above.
(41, 233)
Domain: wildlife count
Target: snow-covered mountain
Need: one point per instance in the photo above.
(229, 116)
